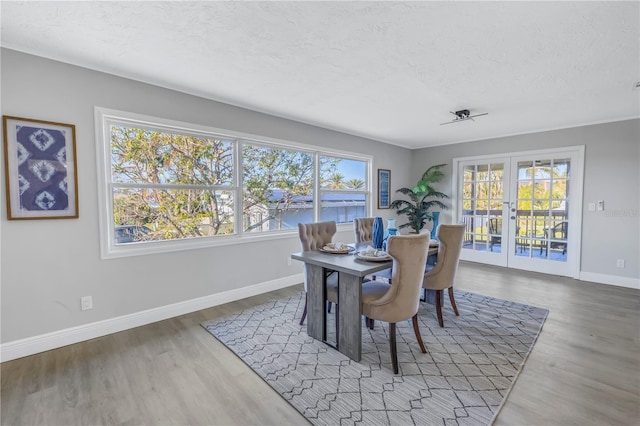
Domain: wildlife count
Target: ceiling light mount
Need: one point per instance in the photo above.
(463, 115)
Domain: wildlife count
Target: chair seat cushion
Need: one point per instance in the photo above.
(385, 273)
(332, 287)
(373, 290)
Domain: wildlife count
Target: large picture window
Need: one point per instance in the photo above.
(169, 186)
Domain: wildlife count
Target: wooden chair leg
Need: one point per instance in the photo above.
(368, 322)
(439, 307)
(453, 301)
(394, 350)
(416, 330)
(304, 312)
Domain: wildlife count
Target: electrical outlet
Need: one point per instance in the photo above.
(600, 206)
(620, 263)
(86, 303)
(592, 207)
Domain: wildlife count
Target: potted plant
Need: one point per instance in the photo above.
(422, 198)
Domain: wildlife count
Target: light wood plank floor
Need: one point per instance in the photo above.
(584, 369)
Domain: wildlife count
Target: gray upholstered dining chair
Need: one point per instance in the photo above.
(363, 229)
(442, 275)
(400, 301)
(314, 236)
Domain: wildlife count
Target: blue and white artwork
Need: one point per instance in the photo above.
(384, 189)
(42, 169)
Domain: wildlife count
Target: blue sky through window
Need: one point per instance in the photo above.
(352, 169)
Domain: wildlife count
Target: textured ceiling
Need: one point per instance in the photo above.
(389, 71)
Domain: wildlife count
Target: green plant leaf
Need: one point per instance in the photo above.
(422, 198)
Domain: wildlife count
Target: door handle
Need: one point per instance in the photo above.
(511, 205)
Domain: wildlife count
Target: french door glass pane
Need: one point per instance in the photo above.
(482, 199)
(542, 206)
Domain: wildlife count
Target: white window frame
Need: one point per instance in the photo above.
(108, 249)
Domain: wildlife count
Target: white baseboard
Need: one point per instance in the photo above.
(610, 279)
(44, 342)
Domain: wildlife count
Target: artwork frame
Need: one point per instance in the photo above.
(384, 189)
(40, 169)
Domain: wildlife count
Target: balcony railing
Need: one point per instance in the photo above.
(529, 223)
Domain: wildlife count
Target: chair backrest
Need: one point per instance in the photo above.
(557, 231)
(444, 272)
(313, 236)
(401, 302)
(560, 231)
(363, 229)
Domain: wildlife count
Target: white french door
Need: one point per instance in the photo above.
(522, 210)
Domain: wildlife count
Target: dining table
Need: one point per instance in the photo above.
(351, 272)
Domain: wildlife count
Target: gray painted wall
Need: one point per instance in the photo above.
(47, 265)
(611, 173)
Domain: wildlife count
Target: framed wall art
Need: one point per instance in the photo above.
(40, 169)
(384, 188)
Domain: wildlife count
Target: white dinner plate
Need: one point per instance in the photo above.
(328, 249)
(380, 257)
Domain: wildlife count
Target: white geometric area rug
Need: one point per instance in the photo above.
(468, 369)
